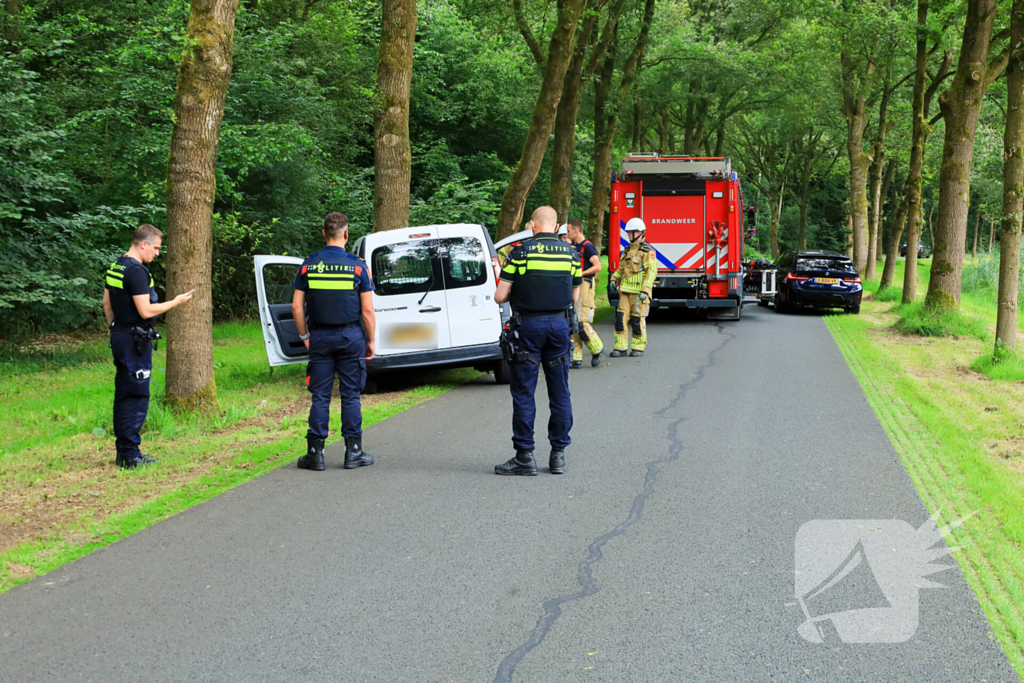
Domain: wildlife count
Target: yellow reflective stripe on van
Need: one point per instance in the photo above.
(114, 282)
(332, 284)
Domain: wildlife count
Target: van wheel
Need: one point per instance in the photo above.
(502, 372)
(370, 386)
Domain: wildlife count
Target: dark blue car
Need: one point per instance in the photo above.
(817, 279)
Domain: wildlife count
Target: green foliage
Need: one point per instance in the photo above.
(890, 294)
(916, 319)
(1003, 363)
(981, 277)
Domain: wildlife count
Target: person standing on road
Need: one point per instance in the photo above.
(541, 279)
(635, 279)
(334, 289)
(584, 333)
(130, 305)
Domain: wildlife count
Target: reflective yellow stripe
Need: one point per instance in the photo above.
(332, 276)
(552, 257)
(332, 284)
(115, 274)
(563, 266)
(114, 282)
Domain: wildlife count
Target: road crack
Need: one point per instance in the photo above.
(585, 569)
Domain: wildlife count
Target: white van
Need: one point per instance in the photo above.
(434, 300)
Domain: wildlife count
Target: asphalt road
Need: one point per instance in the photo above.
(665, 553)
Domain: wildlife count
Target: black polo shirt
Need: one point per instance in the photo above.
(126, 278)
(587, 250)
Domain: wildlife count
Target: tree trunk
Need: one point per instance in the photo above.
(602, 179)
(892, 252)
(12, 8)
(960, 106)
(664, 124)
(856, 122)
(392, 154)
(1013, 186)
(977, 228)
(918, 135)
(991, 235)
(775, 206)
(634, 146)
(875, 185)
(720, 138)
(931, 230)
(560, 53)
(564, 153)
(601, 187)
(890, 171)
(805, 199)
(203, 78)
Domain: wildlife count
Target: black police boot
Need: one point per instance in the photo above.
(314, 457)
(576, 365)
(635, 354)
(355, 456)
(617, 354)
(141, 461)
(596, 360)
(119, 461)
(523, 464)
(557, 460)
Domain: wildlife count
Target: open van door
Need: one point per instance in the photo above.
(274, 276)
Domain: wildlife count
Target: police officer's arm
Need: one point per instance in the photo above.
(369, 320)
(516, 260)
(503, 292)
(299, 314)
(108, 310)
(150, 310)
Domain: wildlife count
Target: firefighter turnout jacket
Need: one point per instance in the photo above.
(638, 269)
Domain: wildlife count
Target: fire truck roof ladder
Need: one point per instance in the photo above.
(650, 164)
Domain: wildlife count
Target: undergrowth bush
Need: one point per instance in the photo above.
(890, 294)
(916, 319)
(1002, 363)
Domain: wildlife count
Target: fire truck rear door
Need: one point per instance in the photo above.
(674, 210)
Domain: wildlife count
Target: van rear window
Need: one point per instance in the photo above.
(465, 264)
(406, 267)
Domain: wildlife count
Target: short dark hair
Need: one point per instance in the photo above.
(146, 233)
(577, 224)
(334, 223)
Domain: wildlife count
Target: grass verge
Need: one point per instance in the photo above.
(959, 436)
(61, 496)
(915, 319)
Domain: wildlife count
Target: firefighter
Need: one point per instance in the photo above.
(541, 279)
(584, 333)
(635, 280)
(334, 288)
(130, 305)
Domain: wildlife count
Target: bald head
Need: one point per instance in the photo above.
(545, 219)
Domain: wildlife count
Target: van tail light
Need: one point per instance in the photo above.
(497, 268)
(792, 278)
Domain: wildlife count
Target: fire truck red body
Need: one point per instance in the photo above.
(693, 210)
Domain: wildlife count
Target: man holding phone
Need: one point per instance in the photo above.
(130, 305)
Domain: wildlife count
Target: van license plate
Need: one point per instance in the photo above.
(411, 336)
(827, 281)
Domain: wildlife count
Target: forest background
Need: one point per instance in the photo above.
(87, 95)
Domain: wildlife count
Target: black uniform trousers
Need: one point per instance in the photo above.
(134, 363)
(341, 351)
(548, 342)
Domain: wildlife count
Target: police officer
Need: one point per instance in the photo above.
(334, 289)
(584, 333)
(635, 279)
(130, 304)
(541, 278)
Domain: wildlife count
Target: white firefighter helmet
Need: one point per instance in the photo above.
(635, 225)
(563, 229)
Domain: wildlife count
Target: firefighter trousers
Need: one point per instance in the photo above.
(585, 316)
(631, 315)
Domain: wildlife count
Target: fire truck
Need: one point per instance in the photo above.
(694, 213)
